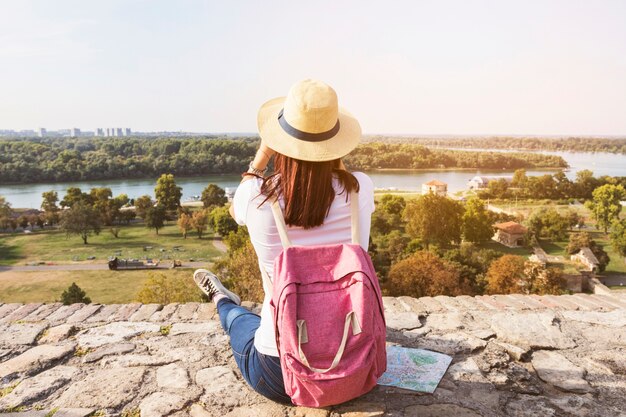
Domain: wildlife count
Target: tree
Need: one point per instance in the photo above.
(184, 224)
(81, 220)
(167, 193)
(142, 205)
(222, 222)
(74, 294)
(213, 195)
(506, 275)
(547, 222)
(425, 274)
(477, 222)
(155, 217)
(434, 219)
(618, 237)
(49, 203)
(5, 209)
(200, 221)
(74, 195)
(239, 268)
(539, 279)
(519, 178)
(605, 206)
(161, 289)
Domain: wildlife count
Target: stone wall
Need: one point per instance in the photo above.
(514, 355)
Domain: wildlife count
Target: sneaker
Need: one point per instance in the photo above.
(211, 285)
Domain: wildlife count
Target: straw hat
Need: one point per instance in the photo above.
(308, 124)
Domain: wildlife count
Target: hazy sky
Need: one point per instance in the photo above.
(423, 67)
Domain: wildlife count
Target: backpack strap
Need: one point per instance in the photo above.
(280, 224)
(354, 209)
(354, 216)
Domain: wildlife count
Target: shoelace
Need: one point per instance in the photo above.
(206, 283)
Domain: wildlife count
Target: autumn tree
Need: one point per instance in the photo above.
(185, 224)
(425, 274)
(155, 217)
(605, 206)
(539, 279)
(82, 220)
(477, 222)
(213, 195)
(167, 193)
(199, 222)
(505, 275)
(74, 195)
(5, 210)
(434, 219)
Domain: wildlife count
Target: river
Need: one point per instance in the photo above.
(29, 195)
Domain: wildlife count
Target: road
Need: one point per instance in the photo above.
(87, 267)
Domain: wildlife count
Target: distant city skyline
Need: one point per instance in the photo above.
(421, 68)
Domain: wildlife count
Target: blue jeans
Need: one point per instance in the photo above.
(262, 372)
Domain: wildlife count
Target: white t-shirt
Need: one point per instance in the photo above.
(266, 241)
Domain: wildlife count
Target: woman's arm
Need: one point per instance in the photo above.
(260, 161)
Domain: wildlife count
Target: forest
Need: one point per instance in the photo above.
(572, 144)
(74, 159)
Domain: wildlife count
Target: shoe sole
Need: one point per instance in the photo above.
(234, 297)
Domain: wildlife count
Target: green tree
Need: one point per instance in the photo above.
(547, 222)
(221, 221)
(74, 195)
(49, 203)
(74, 294)
(5, 208)
(81, 220)
(434, 219)
(618, 237)
(605, 206)
(213, 195)
(167, 193)
(155, 217)
(142, 205)
(477, 222)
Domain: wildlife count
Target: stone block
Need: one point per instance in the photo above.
(172, 376)
(108, 350)
(114, 333)
(125, 312)
(145, 312)
(35, 359)
(58, 333)
(556, 370)
(182, 328)
(532, 329)
(159, 404)
(42, 312)
(20, 312)
(405, 320)
(38, 386)
(12, 334)
(81, 315)
(105, 314)
(63, 312)
(165, 313)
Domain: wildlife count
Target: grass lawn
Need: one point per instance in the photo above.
(525, 252)
(106, 287)
(55, 246)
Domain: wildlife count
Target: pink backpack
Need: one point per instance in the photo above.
(328, 312)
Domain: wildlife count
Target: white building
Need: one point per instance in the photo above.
(41, 132)
(74, 132)
(480, 181)
(436, 187)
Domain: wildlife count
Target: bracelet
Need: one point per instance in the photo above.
(252, 174)
(257, 171)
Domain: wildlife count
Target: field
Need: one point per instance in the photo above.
(134, 241)
(105, 287)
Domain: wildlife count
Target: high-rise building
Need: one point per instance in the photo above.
(127, 131)
(118, 131)
(41, 132)
(74, 132)
(99, 132)
(108, 132)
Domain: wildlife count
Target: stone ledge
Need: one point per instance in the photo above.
(513, 355)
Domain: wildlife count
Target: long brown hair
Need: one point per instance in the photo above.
(306, 188)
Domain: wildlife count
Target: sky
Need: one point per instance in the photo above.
(401, 67)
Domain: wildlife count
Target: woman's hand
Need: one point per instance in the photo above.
(262, 157)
